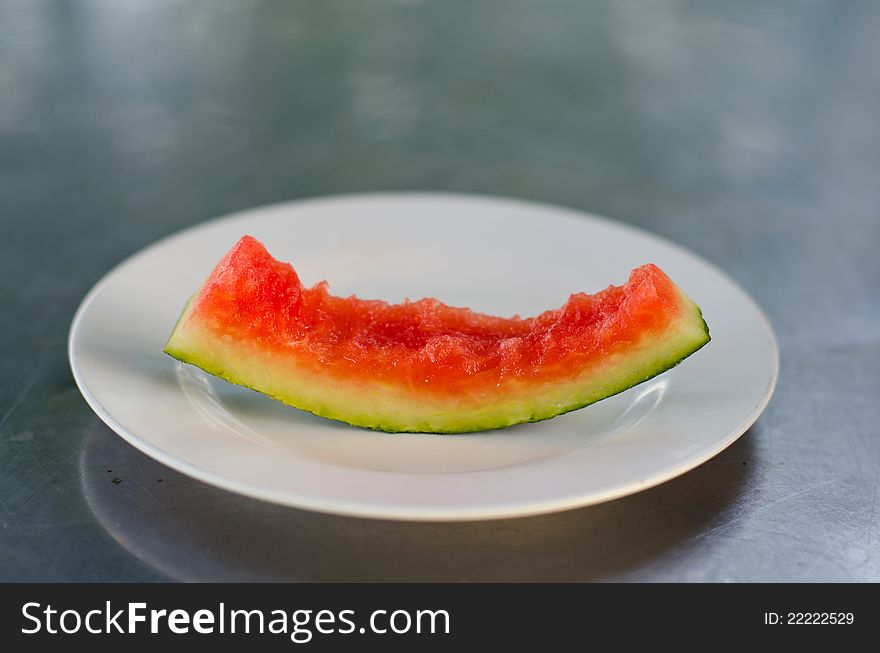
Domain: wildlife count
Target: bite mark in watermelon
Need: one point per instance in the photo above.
(422, 366)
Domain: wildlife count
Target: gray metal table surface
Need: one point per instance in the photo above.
(746, 131)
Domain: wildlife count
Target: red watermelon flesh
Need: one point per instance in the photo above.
(423, 366)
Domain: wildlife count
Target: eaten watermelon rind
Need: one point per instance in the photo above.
(385, 408)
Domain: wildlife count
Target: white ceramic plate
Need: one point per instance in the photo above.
(494, 255)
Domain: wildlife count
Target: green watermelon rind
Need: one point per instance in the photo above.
(661, 367)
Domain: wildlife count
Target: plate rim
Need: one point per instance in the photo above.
(396, 512)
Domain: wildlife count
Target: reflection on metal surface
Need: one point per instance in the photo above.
(385, 106)
(186, 530)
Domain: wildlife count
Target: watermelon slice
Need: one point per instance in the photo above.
(423, 366)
